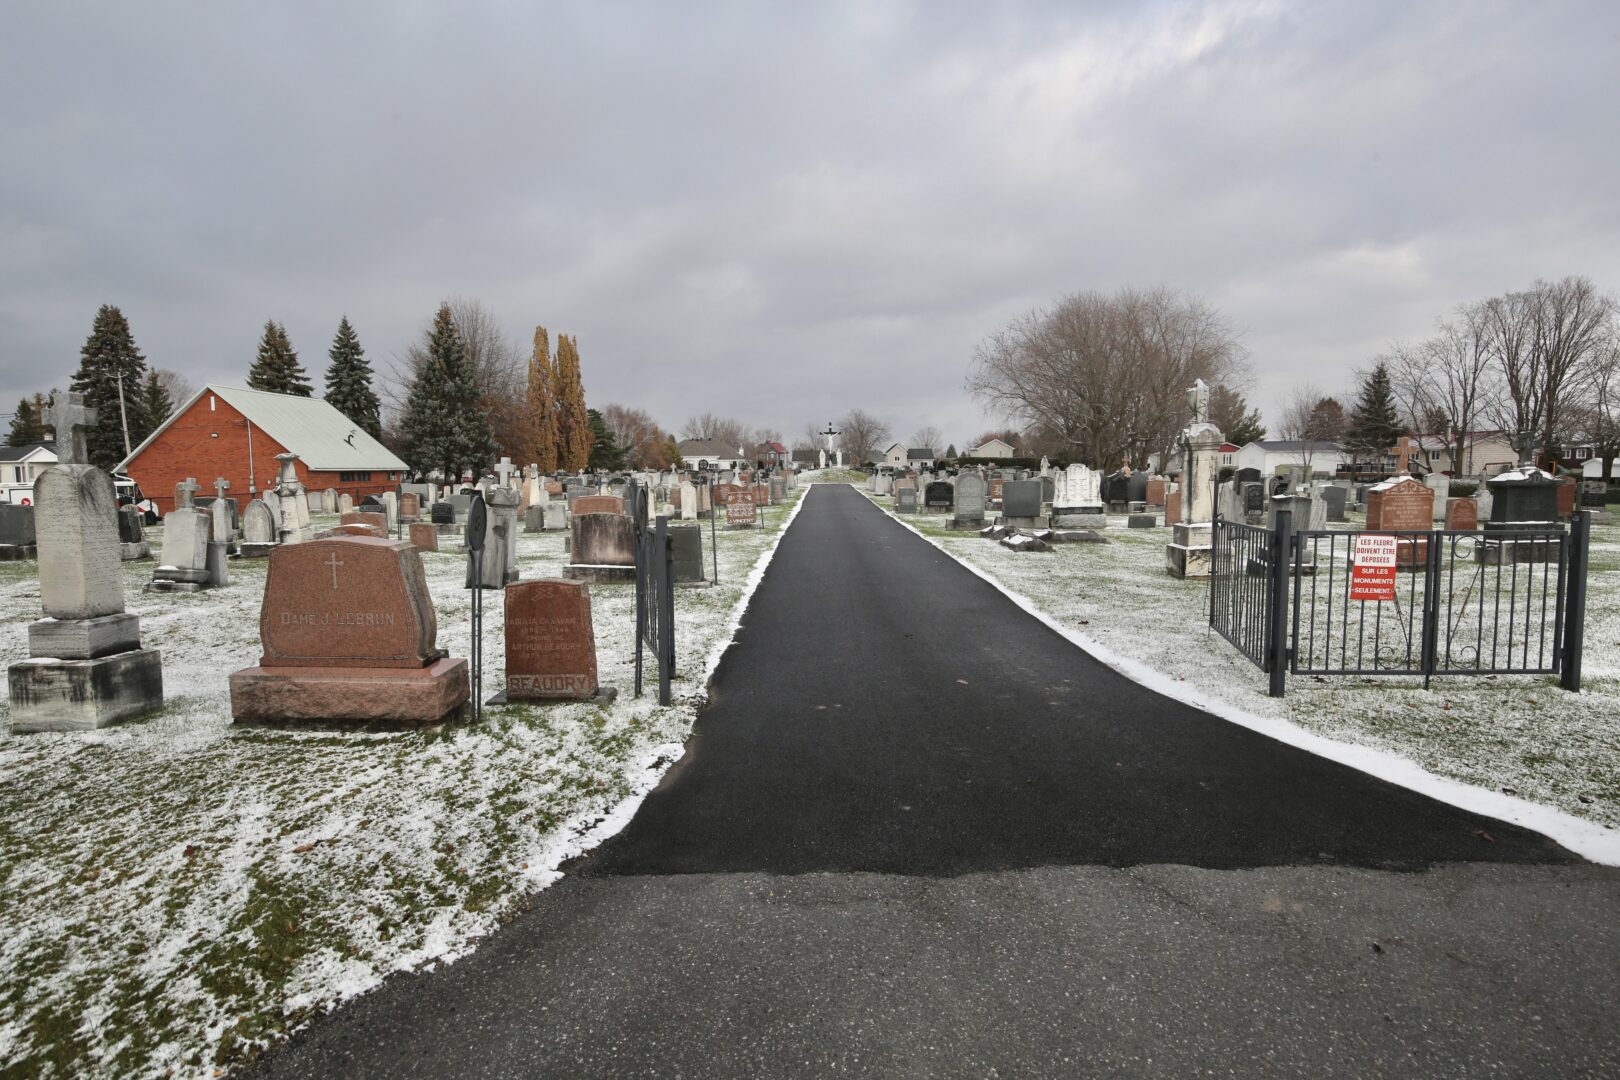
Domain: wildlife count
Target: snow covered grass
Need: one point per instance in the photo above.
(1521, 737)
(176, 891)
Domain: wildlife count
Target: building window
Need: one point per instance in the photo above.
(353, 477)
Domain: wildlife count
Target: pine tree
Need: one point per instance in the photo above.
(28, 425)
(950, 452)
(276, 368)
(444, 426)
(109, 364)
(348, 381)
(573, 423)
(158, 404)
(1239, 424)
(541, 416)
(1375, 424)
(606, 453)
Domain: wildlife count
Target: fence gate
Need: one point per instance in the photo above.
(1446, 602)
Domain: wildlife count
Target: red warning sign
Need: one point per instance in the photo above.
(1372, 568)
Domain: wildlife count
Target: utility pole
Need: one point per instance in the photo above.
(123, 417)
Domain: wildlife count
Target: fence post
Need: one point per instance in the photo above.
(1580, 542)
(1280, 542)
(664, 574)
(1429, 647)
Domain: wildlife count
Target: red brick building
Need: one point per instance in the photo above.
(228, 432)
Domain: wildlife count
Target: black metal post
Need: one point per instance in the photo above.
(1430, 645)
(638, 508)
(1281, 543)
(714, 545)
(664, 562)
(1580, 543)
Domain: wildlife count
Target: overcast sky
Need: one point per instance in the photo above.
(783, 214)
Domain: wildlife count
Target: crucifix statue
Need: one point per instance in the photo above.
(69, 418)
(1198, 401)
(830, 433)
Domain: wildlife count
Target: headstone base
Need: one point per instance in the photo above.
(83, 695)
(1079, 517)
(18, 552)
(448, 529)
(141, 549)
(165, 585)
(604, 695)
(965, 523)
(1021, 522)
(179, 574)
(256, 551)
(423, 695)
(602, 575)
(84, 639)
(1071, 536)
(1191, 551)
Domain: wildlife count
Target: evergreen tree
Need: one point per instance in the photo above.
(348, 381)
(606, 453)
(541, 418)
(1239, 424)
(950, 452)
(573, 423)
(28, 425)
(1375, 424)
(158, 404)
(276, 368)
(110, 365)
(445, 426)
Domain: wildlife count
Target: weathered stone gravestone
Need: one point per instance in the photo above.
(376, 520)
(1021, 502)
(410, 506)
(423, 536)
(502, 506)
(1190, 553)
(349, 634)
(1077, 499)
(345, 503)
(442, 513)
(1333, 498)
(86, 668)
(938, 497)
(687, 500)
(1402, 504)
(602, 548)
(554, 517)
(498, 541)
(258, 530)
(1142, 521)
(1462, 515)
(183, 563)
(294, 518)
(16, 532)
(599, 504)
(132, 542)
(905, 500)
(738, 503)
(686, 544)
(550, 644)
(534, 518)
(969, 501)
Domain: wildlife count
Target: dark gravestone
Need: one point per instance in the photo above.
(443, 514)
(1247, 476)
(1333, 498)
(939, 496)
(16, 525)
(1141, 521)
(905, 500)
(1021, 499)
(131, 528)
(602, 547)
(1116, 489)
(1048, 489)
(1136, 486)
(686, 541)
(1523, 497)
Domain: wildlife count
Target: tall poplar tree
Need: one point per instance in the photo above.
(1376, 422)
(348, 381)
(444, 425)
(573, 423)
(276, 368)
(110, 368)
(541, 413)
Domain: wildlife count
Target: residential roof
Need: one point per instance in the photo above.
(22, 453)
(919, 454)
(707, 448)
(323, 438)
(1295, 445)
(988, 442)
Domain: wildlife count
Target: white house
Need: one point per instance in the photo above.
(995, 448)
(900, 456)
(20, 466)
(1485, 453)
(711, 454)
(1273, 456)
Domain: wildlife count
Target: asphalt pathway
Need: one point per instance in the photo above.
(918, 833)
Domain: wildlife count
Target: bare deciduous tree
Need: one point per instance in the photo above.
(723, 429)
(1598, 417)
(176, 385)
(1106, 376)
(928, 438)
(862, 436)
(635, 431)
(1302, 418)
(1450, 376)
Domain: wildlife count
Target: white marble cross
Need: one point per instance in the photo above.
(221, 485)
(68, 417)
(504, 470)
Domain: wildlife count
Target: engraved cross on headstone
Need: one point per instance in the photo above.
(334, 562)
(68, 417)
(183, 492)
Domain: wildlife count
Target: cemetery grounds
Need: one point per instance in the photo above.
(1521, 738)
(176, 892)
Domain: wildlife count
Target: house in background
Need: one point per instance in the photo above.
(995, 448)
(1485, 453)
(20, 466)
(712, 455)
(900, 456)
(229, 432)
(770, 454)
(1274, 456)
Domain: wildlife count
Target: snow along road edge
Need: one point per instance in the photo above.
(1588, 839)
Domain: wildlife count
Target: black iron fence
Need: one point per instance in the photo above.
(1442, 602)
(655, 591)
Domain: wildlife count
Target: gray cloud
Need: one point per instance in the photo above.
(782, 214)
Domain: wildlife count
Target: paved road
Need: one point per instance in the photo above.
(917, 833)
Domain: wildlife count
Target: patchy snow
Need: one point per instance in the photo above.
(1515, 747)
(177, 891)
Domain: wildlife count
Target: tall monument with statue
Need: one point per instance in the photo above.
(1190, 553)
